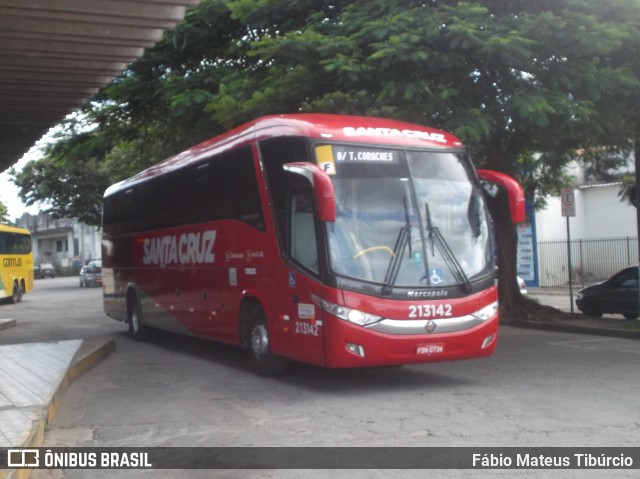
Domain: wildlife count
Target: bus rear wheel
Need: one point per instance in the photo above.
(261, 360)
(18, 291)
(137, 330)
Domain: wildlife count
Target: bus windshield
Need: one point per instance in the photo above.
(406, 218)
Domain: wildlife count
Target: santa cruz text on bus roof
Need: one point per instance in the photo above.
(394, 132)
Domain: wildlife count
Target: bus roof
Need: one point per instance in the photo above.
(328, 127)
(13, 229)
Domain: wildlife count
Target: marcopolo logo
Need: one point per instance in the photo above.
(187, 248)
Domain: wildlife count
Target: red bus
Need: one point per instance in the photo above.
(339, 241)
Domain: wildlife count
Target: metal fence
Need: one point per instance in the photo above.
(592, 260)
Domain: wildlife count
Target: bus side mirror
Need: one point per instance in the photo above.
(514, 192)
(322, 187)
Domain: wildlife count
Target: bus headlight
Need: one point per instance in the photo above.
(487, 312)
(347, 314)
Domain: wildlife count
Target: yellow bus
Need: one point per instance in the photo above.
(16, 263)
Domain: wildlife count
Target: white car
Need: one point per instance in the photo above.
(91, 274)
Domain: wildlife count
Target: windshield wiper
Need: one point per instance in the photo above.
(404, 239)
(447, 254)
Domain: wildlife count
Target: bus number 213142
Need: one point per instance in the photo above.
(429, 310)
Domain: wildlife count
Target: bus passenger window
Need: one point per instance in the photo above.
(304, 248)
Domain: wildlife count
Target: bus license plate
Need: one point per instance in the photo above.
(430, 348)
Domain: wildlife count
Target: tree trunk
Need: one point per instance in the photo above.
(511, 301)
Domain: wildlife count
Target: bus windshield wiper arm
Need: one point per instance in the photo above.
(448, 255)
(404, 239)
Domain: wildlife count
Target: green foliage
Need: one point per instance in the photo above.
(70, 190)
(628, 191)
(4, 214)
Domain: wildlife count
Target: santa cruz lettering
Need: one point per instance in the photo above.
(187, 248)
(394, 132)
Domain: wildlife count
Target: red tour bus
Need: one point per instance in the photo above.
(339, 241)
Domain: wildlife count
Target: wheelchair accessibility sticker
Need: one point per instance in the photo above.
(436, 277)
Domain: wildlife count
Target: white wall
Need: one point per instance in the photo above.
(599, 214)
(605, 216)
(550, 224)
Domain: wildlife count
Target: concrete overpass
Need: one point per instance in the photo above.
(56, 54)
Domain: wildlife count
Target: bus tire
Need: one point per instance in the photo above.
(261, 360)
(137, 330)
(18, 291)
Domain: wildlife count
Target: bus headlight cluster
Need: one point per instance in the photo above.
(352, 315)
(487, 312)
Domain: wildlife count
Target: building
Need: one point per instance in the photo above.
(603, 232)
(63, 242)
(599, 213)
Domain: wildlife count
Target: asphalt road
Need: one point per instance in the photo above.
(539, 389)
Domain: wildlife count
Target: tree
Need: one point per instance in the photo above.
(4, 213)
(510, 78)
(524, 84)
(68, 181)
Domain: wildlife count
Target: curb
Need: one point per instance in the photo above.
(7, 323)
(88, 356)
(576, 328)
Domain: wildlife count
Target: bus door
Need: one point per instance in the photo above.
(303, 326)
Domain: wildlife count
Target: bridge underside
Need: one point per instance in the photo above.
(56, 54)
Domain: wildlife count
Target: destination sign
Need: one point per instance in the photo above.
(329, 156)
(344, 154)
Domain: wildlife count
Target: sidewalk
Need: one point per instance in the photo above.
(33, 380)
(576, 322)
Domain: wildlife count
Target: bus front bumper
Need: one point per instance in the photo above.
(350, 345)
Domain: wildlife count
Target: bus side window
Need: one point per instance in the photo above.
(303, 242)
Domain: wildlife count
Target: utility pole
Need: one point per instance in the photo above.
(568, 204)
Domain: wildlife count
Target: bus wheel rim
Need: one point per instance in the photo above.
(260, 341)
(135, 322)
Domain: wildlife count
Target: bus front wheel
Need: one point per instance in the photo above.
(137, 330)
(261, 360)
